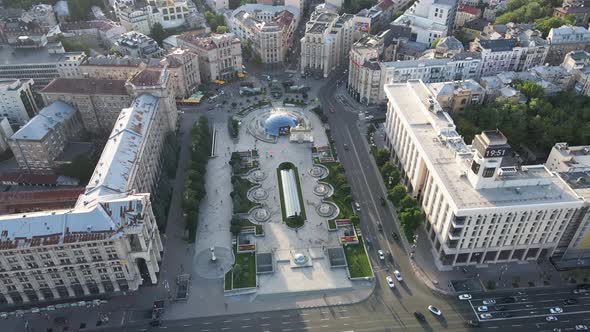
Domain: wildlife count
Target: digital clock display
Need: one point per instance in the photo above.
(496, 151)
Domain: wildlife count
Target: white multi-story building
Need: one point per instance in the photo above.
(220, 55)
(514, 49)
(429, 19)
(138, 18)
(138, 45)
(173, 12)
(564, 40)
(184, 71)
(17, 102)
(109, 237)
(478, 209)
(41, 14)
(328, 40)
(572, 164)
(269, 29)
(38, 63)
(578, 64)
(368, 87)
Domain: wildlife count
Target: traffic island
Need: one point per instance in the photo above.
(357, 260)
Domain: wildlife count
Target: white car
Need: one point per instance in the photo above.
(556, 310)
(464, 297)
(434, 310)
(485, 316)
(551, 319)
(390, 282)
(489, 301)
(380, 253)
(482, 308)
(357, 206)
(581, 328)
(398, 275)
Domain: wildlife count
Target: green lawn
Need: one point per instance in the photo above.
(246, 222)
(241, 202)
(357, 259)
(247, 277)
(331, 224)
(227, 281)
(296, 221)
(340, 196)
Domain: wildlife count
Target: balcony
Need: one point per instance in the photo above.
(455, 234)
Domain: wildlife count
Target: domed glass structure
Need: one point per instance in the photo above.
(279, 124)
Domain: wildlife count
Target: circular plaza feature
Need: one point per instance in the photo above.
(323, 189)
(257, 194)
(299, 259)
(271, 123)
(260, 214)
(257, 175)
(318, 171)
(327, 209)
(209, 269)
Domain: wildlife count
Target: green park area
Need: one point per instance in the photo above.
(357, 260)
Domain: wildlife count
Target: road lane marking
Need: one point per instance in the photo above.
(246, 326)
(225, 328)
(247, 319)
(227, 321)
(286, 330)
(344, 317)
(325, 326)
(186, 325)
(266, 324)
(265, 318)
(325, 319)
(285, 323)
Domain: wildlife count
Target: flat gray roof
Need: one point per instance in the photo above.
(12, 56)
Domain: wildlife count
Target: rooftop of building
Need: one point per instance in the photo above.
(12, 84)
(19, 56)
(469, 10)
(568, 30)
(86, 86)
(430, 62)
(49, 117)
(450, 158)
(102, 219)
(477, 24)
(573, 10)
(103, 25)
(498, 45)
(448, 88)
(122, 150)
(450, 43)
(45, 195)
(150, 76)
(208, 41)
(113, 60)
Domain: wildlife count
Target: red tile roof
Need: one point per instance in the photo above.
(469, 9)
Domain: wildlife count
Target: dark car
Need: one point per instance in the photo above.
(570, 301)
(394, 235)
(380, 227)
(382, 200)
(500, 308)
(472, 323)
(389, 257)
(509, 299)
(583, 286)
(419, 316)
(505, 314)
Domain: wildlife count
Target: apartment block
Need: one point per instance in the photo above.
(455, 96)
(138, 45)
(99, 101)
(17, 103)
(37, 144)
(220, 55)
(510, 47)
(478, 207)
(564, 40)
(578, 64)
(110, 67)
(184, 71)
(465, 14)
(328, 40)
(462, 66)
(269, 29)
(429, 19)
(38, 63)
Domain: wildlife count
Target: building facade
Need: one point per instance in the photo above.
(564, 40)
(512, 54)
(37, 144)
(328, 40)
(268, 29)
(465, 14)
(38, 63)
(184, 71)
(220, 55)
(477, 209)
(110, 67)
(99, 101)
(429, 19)
(17, 103)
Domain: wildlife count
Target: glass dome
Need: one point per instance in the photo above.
(276, 124)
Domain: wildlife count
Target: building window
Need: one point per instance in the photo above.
(475, 167)
(488, 172)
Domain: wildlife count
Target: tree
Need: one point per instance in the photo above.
(411, 218)
(80, 168)
(158, 34)
(435, 43)
(221, 29)
(381, 156)
(545, 24)
(529, 89)
(387, 168)
(396, 194)
(407, 203)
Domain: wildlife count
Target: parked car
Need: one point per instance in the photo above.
(551, 319)
(380, 254)
(489, 301)
(398, 275)
(419, 316)
(465, 297)
(482, 308)
(581, 328)
(357, 206)
(434, 310)
(485, 316)
(390, 282)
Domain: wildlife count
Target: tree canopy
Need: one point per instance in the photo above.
(157, 33)
(537, 124)
(526, 11)
(214, 20)
(80, 9)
